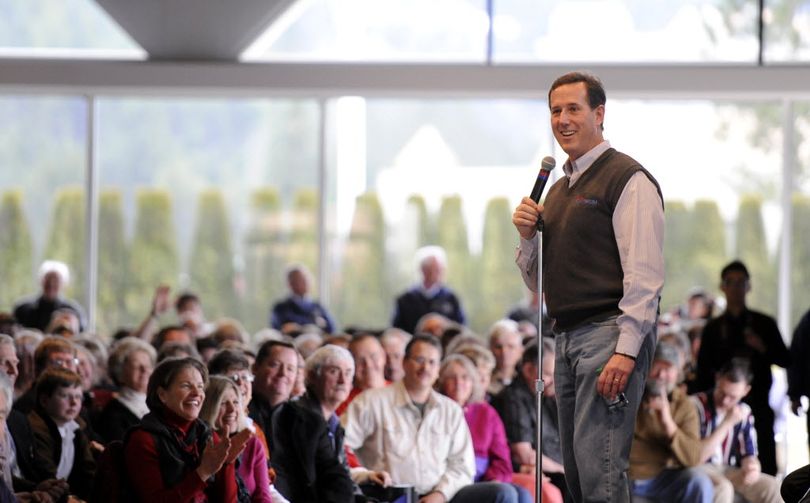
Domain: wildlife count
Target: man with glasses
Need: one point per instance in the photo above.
(742, 333)
(417, 435)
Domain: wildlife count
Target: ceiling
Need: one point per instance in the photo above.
(203, 30)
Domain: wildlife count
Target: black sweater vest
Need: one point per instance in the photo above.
(581, 264)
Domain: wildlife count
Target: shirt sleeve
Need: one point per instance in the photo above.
(638, 223)
(526, 260)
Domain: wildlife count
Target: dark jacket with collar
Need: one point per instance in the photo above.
(20, 430)
(307, 466)
(48, 450)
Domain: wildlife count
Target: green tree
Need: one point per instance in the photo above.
(16, 251)
(708, 244)
(211, 268)
(153, 256)
(451, 233)
(800, 259)
(112, 260)
(303, 244)
(425, 230)
(501, 285)
(264, 257)
(364, 298)
(678, 254)
(66, 239)
(753, 251)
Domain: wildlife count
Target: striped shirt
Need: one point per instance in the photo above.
(741, 441)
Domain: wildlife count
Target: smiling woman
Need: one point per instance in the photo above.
(173, 455)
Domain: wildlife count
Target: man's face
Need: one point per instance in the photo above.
(51, 284)
(64, 360)
(507, 349)
(727, 394)
(548, 375)
(421, 366)
(63, 405)
(665, 372)
(432, 272)
(735, 286)
(394, 353)
(299, 285)
(334, 382)
(369, 359)
(9, 362)
(576, 126)
(276, 374)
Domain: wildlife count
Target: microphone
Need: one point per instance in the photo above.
(546, 165)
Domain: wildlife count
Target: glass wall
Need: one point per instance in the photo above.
(213, 196)
(42, 196)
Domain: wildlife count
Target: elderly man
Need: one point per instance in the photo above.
(36, 312)
(729, 443)
(666, 442)
(417, 435)
(430, 295)
(506, 344)
(308, 454)
(298, 309)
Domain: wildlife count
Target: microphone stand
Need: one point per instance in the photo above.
(539, 386)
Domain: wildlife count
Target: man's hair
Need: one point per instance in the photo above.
(7, 388)
(7, 339)
(160, 338)
(324, 356)
(60, 268)
(427, 339)
(267, 347)
(52, 379)
(595, 90)
(502, 327)
(165, 373)
(227, 359)
(185, 298)
(431, 252)
(49, 346)
(736, 370)
(735, 266)
(398, 333)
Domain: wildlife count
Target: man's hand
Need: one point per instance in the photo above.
(381, 478)
(734, 416)
(434, 497)
(659, 405)
(751, 470)
(525, 217)
(160, 302)
(55, 488)
(613, 378)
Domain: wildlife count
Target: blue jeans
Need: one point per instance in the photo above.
(490, 492)
(685, 485)
(595, 438)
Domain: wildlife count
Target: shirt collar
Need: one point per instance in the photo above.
(403, 399)
(575, 168)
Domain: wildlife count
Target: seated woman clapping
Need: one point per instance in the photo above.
(173, 456)
(224, 412)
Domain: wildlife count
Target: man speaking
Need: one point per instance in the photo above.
(603, 271)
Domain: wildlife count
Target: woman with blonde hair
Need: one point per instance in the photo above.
(223, 411)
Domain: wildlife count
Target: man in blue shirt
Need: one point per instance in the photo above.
(299, 309)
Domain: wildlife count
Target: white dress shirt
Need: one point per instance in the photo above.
(433, 452)
(638, 223)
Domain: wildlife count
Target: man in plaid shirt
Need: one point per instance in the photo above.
(729, 440)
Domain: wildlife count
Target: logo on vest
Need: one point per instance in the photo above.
(584, 201)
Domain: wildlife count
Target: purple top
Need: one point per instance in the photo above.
(253, 470)
(492, 458)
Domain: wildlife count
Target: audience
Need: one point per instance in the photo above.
(666, 442)
(298, 309)
(729, 444)
(130, 366)
(173, 455)
(222, 410)
(430, 295)
(37, 311)
(506, 344)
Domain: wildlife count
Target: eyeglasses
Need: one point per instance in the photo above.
(238, 378)
(64, 362)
